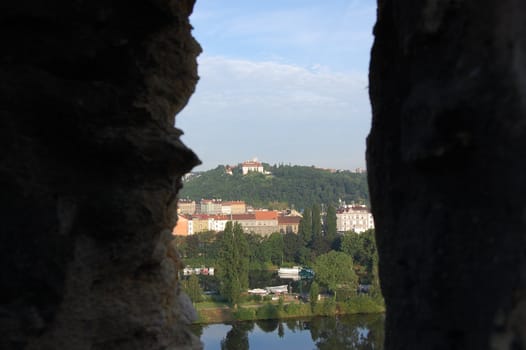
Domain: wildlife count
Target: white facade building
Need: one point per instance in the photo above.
(252, 166)
(354, 218)
(217, 224)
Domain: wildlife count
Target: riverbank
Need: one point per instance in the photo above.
(221, 312)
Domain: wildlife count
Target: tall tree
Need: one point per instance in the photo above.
(305, 227)
(233, 263)
(316, 221)
(313, 294)
(275, 244)
(292, 244)
(330, 226)
(193, 289)
(318, 243)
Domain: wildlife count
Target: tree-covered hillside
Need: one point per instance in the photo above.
(297, 186)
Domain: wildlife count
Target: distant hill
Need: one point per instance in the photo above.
(287, 186)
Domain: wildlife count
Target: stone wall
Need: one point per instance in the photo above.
(447, 173)
(89, 170)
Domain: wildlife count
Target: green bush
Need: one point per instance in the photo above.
(244, 314)
(297, 310)
(256, 297)
(267, 311)
(363, 304)
(218, 298)
(344, 294)
(328, 307)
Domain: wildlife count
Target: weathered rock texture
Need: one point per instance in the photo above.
(447, 173)
(89, 170)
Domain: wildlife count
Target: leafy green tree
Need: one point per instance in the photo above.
(316, 221)
(192, 246)
(330, 226)
(313, 295)
(362, 248)
(233, 263)
(334, 270)
(305, 227)
(352, 244)
(305, 256)
(292, 244)
(275, 244)
(259, 253)
(193, 289)
(318, 244)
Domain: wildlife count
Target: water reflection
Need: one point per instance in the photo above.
(346, 332)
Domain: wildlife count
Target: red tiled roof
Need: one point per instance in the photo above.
(250, 163)
(266, 215)
(289, 220)
(243, 217)
(210, 216)
(356, 208)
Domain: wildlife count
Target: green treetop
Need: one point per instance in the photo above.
(334, 270)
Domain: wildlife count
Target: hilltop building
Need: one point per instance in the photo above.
(252, 166)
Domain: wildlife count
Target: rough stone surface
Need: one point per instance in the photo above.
(90, 166)
(447, 174)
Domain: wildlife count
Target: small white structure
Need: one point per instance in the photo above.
(187, 271)
(292, 273)
(283, 289)
(295, 270)
(258, 291)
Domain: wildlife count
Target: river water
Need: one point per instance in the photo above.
(324, 333)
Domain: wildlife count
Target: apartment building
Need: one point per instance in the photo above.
(233, 207)
(288, 224)
(209, 207)
(186, 206)
(356, 218)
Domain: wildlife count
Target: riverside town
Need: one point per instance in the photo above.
(273, 259)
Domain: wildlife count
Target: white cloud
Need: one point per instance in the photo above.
(278, 111)
(337, 34)
(237, 85)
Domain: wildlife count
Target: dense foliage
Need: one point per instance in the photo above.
(233, 263)
(334, 270)
(193, 289)
(264, 252)
(293, 186)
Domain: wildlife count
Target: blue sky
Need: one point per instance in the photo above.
(281, 80)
